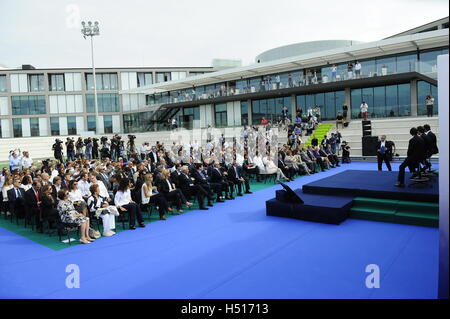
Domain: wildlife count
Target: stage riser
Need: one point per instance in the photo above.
(392, 211)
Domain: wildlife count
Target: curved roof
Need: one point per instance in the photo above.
(301, 48)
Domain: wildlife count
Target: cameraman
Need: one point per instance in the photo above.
(345, 153)
(105, 151)
(95, 147)
(88, 148)
(131, 147)
(57, 150)
(79, 146)
(70, 149)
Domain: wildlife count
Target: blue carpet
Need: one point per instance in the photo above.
(232, 251)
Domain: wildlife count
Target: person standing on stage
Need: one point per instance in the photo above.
(384, 152)
(416, 150)
(364, 110)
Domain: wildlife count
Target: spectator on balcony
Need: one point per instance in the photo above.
(277, 81)
(350, 70)
(290, 81)
(358, 69)
(333, 72)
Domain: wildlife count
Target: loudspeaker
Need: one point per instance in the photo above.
(369, 145)
(366, 128)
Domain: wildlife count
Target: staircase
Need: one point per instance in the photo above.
(321, 130)
(396, 211)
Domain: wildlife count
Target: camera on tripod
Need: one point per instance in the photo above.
(131, 137)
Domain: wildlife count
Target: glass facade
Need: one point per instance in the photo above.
(56, 82)
(424, 89)
(383, 101)
(104, 81)
(428, 60)
(270, 109)
(91, 123)
(34, 126)
(162, 77)
(36, 82)
(17, 127)
(144, 78)
(107, 124)
(28, 105)
(220, 115)
(2, 83)
(189, 115)
(107, 102)
(330, 103)
(54, 126)
(244, 113)
(137, 122)
(71, 125)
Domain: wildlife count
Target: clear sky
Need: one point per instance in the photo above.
(46, 33)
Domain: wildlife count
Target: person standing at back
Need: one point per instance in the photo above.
(429, 101)
(416, 149)
(364, 110)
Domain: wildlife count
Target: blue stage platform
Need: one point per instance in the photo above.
(362, 183)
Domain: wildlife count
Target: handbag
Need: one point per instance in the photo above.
(94, 233)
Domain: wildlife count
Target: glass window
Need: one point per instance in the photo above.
(17, 127)
(2, 83)
(36, 82)
(221, 115)
(162, 77)
(71, 125)
(34, 126)
(391, 101)
(104, 81)
(404, 99)
(424, 89)
(107, 102)
(406, 63)
(356, 100)
(428, 61)
(244, 113)
(91, 123)
(56, 82)
(54, 126)
(368, 68)
(144, 78)
(379, 102)
(28, 105)
(386, 66)
(107, 124)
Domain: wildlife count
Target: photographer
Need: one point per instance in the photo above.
(88, 148)
(345, 153)
(95, 147)
(131, 147)
(115, 147)
(57, 150)
(105, 151)
(70, 149)
(79, 146)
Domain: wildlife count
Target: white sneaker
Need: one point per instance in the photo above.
(107, 234)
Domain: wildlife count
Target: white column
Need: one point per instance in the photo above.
(101, 127)
(3, 105)
(116, 123)
(443, 175)
(80, 124)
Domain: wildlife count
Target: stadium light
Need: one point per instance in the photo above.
(91, 30)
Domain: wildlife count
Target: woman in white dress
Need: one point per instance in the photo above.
(99, 206)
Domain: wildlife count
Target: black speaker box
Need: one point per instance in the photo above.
(369, 145)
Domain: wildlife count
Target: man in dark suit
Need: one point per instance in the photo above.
(189, 189)
(385, 152)
(33, 201)
(236, 175)
(202, 179)
(218, 177)
(103, 177)
(433, 148)
(16, 199)
(416, 149)
(66, 181)
(154, 156)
